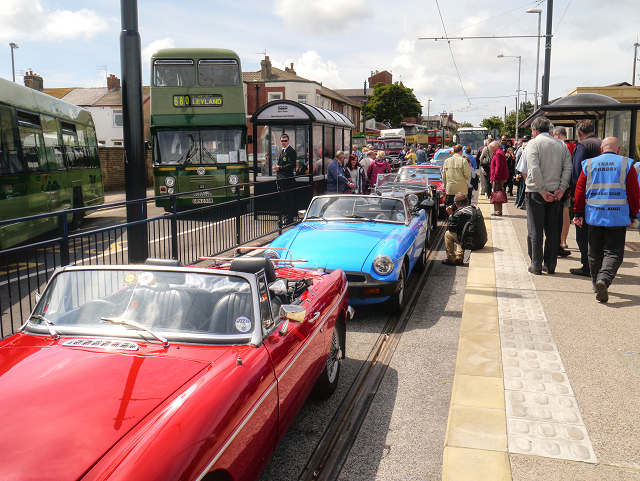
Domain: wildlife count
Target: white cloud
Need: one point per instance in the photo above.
(150, 49)
(321, 16)
(31, 21)
(312, 67)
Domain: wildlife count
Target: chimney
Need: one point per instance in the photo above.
(113, 82)
(265, 66)
(34, 81)
(290, 70)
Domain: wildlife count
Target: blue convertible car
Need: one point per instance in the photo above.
(376, 240)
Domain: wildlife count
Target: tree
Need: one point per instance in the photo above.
(464, 124)
(391, 103)
(491, 123)
(526, 109)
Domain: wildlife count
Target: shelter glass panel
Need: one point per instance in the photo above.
(327, 148)
(618, 125)
(317, 150)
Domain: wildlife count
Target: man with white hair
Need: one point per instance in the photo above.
(548, 177)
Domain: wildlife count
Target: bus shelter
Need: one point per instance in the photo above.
(315, 133)
(610, 117)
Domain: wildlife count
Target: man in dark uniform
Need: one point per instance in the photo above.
(285, 170)
(587, 148)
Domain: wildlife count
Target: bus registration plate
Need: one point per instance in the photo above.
(202, 201)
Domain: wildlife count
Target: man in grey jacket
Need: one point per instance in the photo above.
(549, 176)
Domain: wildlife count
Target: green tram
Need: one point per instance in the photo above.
(198, 126)
(48, 161)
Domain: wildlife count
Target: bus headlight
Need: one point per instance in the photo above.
(413, 200)
(383, 265)
(169, 191)
(271, 254)
(170, 181)
(233, 179)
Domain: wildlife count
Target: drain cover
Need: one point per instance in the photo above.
(633, 358)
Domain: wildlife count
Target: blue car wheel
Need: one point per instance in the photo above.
(395, 303)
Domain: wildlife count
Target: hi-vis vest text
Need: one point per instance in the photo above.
(606, 203)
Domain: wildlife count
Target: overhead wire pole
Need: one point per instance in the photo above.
(547, 55)
(135, 174)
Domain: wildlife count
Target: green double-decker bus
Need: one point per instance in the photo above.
(48, 162)
(198, 126)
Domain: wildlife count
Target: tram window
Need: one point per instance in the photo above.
(32, 148)
(221, 73)
(174, 73)
(70, 143)
(9, 158)
(52, 143)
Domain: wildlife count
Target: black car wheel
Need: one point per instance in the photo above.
(396, 302)
(328, 381)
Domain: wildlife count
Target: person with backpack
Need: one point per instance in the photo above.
(459, 214)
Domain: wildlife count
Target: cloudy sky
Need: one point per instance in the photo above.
(340, 42)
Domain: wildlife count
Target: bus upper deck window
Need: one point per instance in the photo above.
(218, 72)
(174, 73)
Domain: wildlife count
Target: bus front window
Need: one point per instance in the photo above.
(178, 147)
(222, 146)
(174, 73)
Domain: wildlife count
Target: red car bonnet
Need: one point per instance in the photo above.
(63, 407)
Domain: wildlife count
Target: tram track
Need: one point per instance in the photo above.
(331, 452)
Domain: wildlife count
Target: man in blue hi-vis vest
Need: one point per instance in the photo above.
(608, 199)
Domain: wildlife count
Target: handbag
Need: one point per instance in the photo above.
(498, 197)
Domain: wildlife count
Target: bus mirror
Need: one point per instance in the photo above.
(250, 139)
(147, 145)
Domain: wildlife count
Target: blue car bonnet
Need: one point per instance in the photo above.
(344, 245)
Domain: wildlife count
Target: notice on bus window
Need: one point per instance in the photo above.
(212, 100)
(243, 155)
(233, 156)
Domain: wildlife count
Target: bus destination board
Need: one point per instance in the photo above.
(204, 100)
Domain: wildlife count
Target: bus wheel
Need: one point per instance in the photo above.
(78, 217)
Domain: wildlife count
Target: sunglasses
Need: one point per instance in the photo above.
(284, 141)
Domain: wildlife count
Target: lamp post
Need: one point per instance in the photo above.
(539, 12)
(635, 59)
(428, 109)
(13, 68)
(519, 57)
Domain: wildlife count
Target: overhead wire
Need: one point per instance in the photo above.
(451, 50)
(536, 2)
(565, 11)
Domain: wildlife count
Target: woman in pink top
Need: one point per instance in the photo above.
(499, 173)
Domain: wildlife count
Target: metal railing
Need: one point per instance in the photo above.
(185, 235)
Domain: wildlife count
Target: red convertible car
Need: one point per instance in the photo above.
(162, 372)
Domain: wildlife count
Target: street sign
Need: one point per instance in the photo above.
(495, 133)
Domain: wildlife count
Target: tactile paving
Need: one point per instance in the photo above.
(543, 418)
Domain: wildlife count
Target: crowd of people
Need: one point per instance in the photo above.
(557, 179)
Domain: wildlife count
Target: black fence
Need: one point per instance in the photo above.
(185, 235)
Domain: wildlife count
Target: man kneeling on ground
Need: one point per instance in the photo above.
(459, 213)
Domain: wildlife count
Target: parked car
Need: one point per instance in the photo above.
(376, 240)
(441, 155)
(418, 189)
(152, 372)
(433, 174)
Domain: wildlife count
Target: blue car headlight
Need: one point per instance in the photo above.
(383, 265)
(271, 254)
